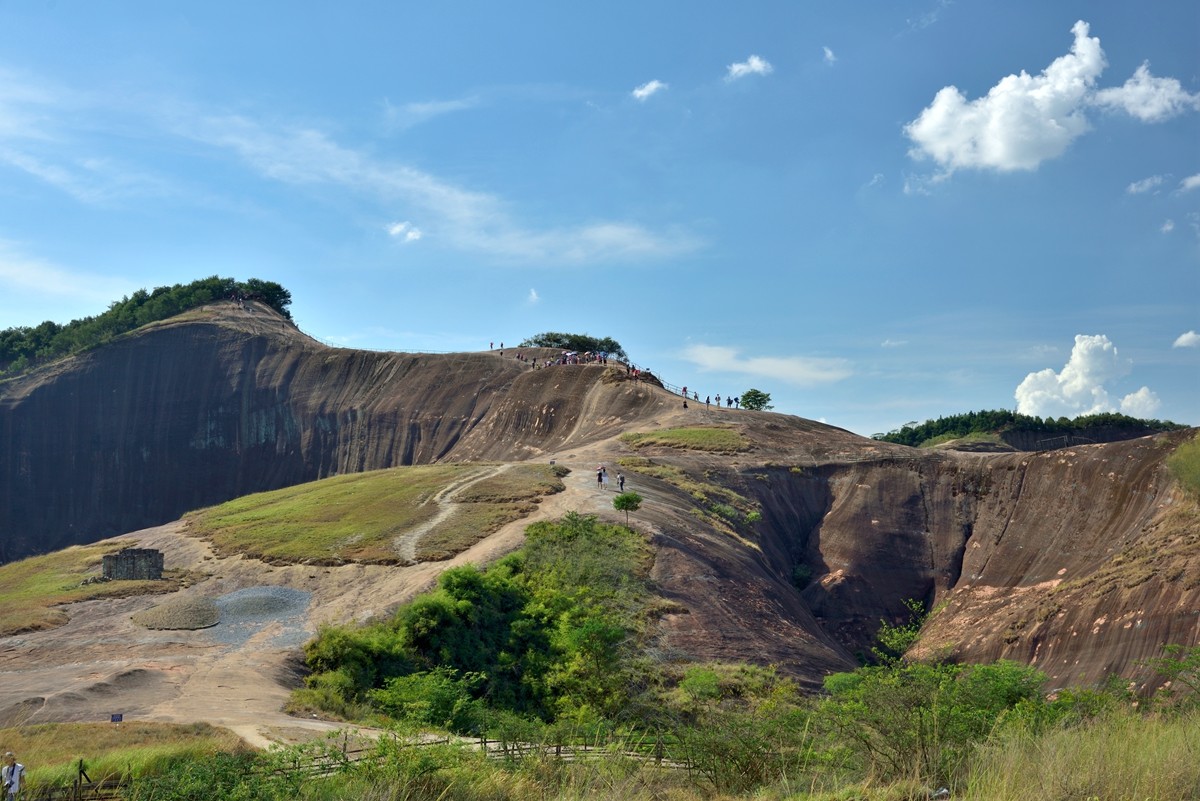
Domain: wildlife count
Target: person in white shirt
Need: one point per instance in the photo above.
(13, 776)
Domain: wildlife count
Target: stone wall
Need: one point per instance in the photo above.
(134, 563)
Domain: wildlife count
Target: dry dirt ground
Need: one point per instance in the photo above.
(239, 676)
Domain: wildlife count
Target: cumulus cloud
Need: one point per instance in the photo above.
(404, 231)
(1026, 119)
(1188, 340)
(799, 370)
(1147, 97)
(1189, 183)
(1079, 388)
(751, 66)
(648, 90)
(830, 58)
(1143, 403)
(1145, 185)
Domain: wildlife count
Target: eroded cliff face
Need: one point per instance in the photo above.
(1082, 560)
(223, 403)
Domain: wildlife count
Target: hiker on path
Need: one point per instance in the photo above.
(707, 401)
(600, 478)
(621, 481)
(13, 776)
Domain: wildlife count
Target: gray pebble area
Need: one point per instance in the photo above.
(248, 611)
(233, 618)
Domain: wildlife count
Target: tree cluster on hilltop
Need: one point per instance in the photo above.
(1001, 420)
(24, 347)
(582, 343)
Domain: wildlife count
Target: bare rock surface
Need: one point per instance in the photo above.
(1083, 560)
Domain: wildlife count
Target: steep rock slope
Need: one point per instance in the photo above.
(1081, 560)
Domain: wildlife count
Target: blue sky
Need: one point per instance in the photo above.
(876, 212)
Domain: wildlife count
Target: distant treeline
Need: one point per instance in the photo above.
(1002, 421)
(581, 343)
(24, 347)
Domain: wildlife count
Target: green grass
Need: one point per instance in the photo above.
(1126, 755)
(712, 439)
(51, 751)
(32, 589)
(486, 506)
(1184, 464)
(340, 519)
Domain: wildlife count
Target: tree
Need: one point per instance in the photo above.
(583, 343)
(627, 502)
(757, 400)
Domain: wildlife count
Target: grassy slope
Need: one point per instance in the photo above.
(358, 517)
(33, 588)
(712, 439)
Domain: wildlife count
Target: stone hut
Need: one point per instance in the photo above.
(134, 563)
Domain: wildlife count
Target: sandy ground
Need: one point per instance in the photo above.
(100, 663)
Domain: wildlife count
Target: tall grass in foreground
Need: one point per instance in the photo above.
(1123, 755)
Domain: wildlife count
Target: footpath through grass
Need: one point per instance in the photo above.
(359, 517)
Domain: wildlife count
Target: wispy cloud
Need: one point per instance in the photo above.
(798, 370)
(1026, 119)
(1189, 183)
(1145, 185)
(1167, 227)
(755, 65)
(409, 114)
(648, 90)
(460, 218)
(893, 343)
(930, 17)
(829, 57)
(24, 274)
(534, 297)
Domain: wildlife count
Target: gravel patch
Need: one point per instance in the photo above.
(180, 613)
(248, 611)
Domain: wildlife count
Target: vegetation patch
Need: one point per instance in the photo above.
(486, 506)
(351, 518)
(51, 751)
(1184, 464)
(718, 505)
(699, 438)
(33, 589)
(999, 421)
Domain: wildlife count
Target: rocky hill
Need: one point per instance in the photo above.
(787, 549)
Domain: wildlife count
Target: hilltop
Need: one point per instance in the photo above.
(781, 540)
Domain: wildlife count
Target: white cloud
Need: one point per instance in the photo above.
(1187, 340)
(829, 57)
(751, 66)
(1143, 403)
(1022, 121)
(1148, 98)
(1144, 185)
(1026, 119)
(404, 231)
(648, 89)
(410, 114)
(1167, 227)
(461, 218)
(799, 370)
(25, 275)
(533, 296)
(893, 343)
(1079, 387)
(1189, 183)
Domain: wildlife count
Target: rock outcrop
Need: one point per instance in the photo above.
(1081, 560)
